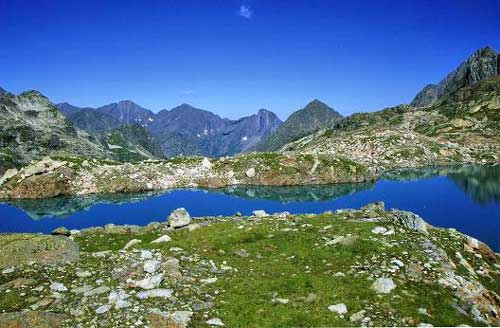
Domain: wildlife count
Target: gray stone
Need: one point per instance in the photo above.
(163, 293)
(149, 282)
(162, 239)
(58, 287)
(132, 243)
(215, 322)
(61, 231)
(250, 172)
(340, 308)
(383, 285)
(179, 218)
(260, 213)
(151, 266)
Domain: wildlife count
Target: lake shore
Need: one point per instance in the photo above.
(367, 267)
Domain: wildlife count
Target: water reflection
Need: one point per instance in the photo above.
(295, 193)
(61, 207)
(481, 183)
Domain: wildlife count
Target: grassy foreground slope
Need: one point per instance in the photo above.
(386, 267)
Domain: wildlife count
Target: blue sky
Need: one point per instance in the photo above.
(234, 57)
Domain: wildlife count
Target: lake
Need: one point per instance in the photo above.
(465, 198)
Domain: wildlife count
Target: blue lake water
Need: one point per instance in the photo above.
(465, 198)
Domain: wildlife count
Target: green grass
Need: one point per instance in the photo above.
(277, 267)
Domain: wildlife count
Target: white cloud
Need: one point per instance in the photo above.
(245, 12)
(187, 92)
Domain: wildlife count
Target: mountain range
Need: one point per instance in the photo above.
(183, 130)
(33, 127)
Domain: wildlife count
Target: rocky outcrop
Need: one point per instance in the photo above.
(19, 249)
(49, 177)
(482, 65)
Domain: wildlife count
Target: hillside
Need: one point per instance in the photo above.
(32, 127)
(482, 65)
(312, 117)
(461, 127)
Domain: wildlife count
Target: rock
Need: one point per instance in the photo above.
(146, 254)
(31, 319)
(250, 172)
(61, 231)
(206, 163)
(118, 297)
(132, 243)
(241, 253)
(358, 316)
(97, 291)
(58, 287)
(340, 308)
(150, 266)
(182, 318)
(193, 226)
(260, 213)
(164, 293)
(103, 309)
(149, 282)
(162, 239)
(209, 280)
(179, 218)
(215, 322)
(379, 230)
(383, 285)
(281, 300)
(172, 267)
(10, 173)
(19, 249)
(411, 221)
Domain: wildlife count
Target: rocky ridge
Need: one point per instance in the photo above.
(367, 267)
(482, 65)
(462, 127)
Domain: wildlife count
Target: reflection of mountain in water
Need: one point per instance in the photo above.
(481, 183)
(295, 193)
(62, 207)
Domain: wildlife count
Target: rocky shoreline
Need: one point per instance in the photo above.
(366, 267)
(52, 177)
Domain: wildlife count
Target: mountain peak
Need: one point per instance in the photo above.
(483, 64)
(2, 90)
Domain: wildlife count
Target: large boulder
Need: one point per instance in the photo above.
(411, 221)
(32, 319)
(179, 218)
(19, 249)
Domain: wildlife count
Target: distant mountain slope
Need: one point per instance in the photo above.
(244, 134)
(182, 130)
(314, 116)
(131, 142)
(32, 127)
(461, 127)
(127, 112)
(92, 121)
(482, 65)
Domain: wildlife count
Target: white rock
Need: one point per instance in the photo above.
(193, 226)
(398, 263)
(164, 293)
(179, 218)
(8, 270)
(206, 163)
(215, 322)
(182, 318)
(58, 287)
(281, 300)
(162, 239)
(150, 266)
(146, 254)
(379, 230)
(132, 243)
(149, 282)
(260, 213)
(209, 280)
(250, 172)
(103, 309)
(383, 285)
(97, 291)
(338, 308)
